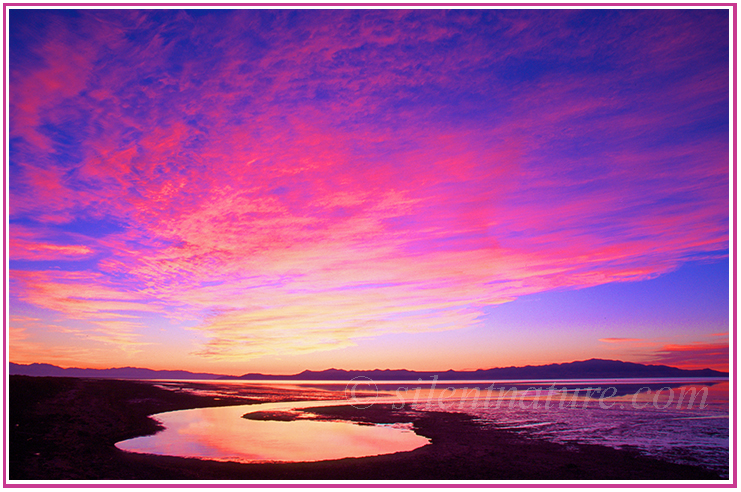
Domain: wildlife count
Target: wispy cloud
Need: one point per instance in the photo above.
(697, 355)
(620, 340)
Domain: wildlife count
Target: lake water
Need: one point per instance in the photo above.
(682, 421)
(662, 420)
(222, 434)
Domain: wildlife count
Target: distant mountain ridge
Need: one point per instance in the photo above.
(113, 373)
(586, 369)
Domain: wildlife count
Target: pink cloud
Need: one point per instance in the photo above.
(697, 355)
(25, 245)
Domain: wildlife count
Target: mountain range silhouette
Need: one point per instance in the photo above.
(586, 369)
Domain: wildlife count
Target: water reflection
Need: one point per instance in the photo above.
(222, 434)
(674, 394)
(678, 420)
(659, 419)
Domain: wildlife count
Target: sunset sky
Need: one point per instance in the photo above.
(241, 191)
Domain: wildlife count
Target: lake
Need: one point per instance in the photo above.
(678, 420)
(222, 434)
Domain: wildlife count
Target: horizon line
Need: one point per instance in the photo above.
(366, 370)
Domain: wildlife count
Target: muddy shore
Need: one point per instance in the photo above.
(66, 428)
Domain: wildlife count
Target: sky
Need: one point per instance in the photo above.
(237, 191)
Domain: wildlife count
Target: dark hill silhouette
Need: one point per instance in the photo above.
(586, 369)
(114, 373)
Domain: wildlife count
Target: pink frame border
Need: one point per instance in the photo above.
(734, 81)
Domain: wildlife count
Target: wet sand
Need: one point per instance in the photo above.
(66, 428)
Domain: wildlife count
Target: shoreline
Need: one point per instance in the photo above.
(66, 428)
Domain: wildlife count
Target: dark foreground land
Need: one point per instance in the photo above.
(65, 429)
